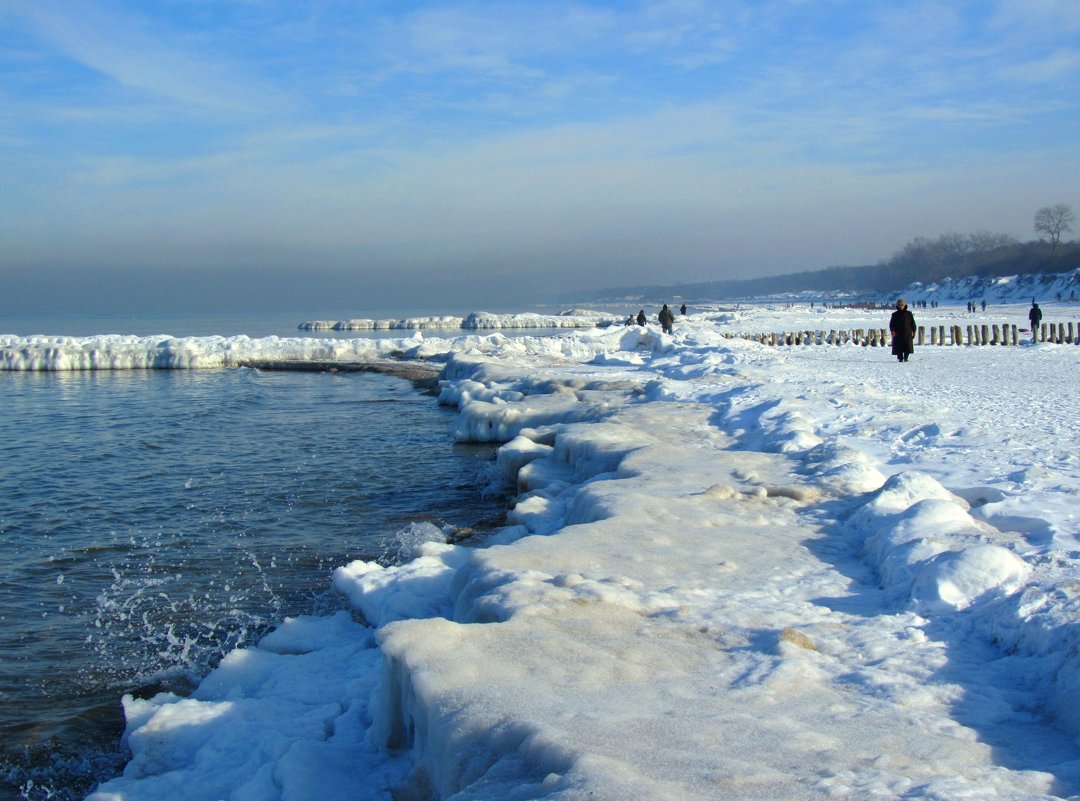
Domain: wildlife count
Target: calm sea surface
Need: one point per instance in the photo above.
(153, 520)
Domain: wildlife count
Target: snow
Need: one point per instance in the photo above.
(1038, 287)
(732, 570)
(571, 318)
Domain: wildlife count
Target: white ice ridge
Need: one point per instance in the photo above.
(730, 571)
(572, 318)
(120, 352)
(126, 352)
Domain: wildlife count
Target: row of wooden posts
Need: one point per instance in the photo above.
(1007, 334)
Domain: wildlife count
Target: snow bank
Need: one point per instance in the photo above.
(575, 318)
(1000, 290)
(729, 571)
(364, 324)
(927, 548)
(571, 319)
(116, 352)
(282, 720)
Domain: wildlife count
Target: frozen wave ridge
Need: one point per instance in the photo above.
(731, 570)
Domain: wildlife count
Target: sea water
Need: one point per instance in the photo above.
(153, 520)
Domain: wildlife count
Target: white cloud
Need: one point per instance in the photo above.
(128, 50)
(1060, 66)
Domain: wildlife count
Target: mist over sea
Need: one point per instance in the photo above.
(253, 324)
(152, 520)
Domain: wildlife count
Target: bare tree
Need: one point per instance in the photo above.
(1054, 221)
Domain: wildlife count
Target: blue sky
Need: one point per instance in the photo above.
(488, 152)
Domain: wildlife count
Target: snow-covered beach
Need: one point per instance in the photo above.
(732, 570)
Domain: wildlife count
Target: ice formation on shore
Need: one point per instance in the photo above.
(731, 570)
(574, 318)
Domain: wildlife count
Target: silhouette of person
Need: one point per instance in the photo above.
(902, 328)
(1035, 317)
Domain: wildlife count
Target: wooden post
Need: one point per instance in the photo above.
(933, 335)
(922, 336)
(1042, 333)
(1071, 338)
(1061, 334)
(957, 335)
(984, 336)
(996, 339)
(1015, 333)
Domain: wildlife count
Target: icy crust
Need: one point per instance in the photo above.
(365, 324)
(477, 704)
(573, 318)
(124, 352)
(118, 352)
(270, 722)
(730, 571)
(928, 549)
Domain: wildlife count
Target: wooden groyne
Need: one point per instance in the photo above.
(942, 335)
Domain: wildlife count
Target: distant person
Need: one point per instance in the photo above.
(902, 328)
(666, 318)
(641, 318)
(682, 310)
(1035, 317)
(629, 319)
(984, 304)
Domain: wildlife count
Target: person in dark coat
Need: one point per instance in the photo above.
(666, 318)
(641, 319)
(1035, 317)
(902, 328)
(682, 310)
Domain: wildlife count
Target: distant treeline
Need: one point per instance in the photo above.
(924, 260)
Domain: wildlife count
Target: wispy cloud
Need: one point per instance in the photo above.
(122, 46)
(546, 131)
(1062, 65)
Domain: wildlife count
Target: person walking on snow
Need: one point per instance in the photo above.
(641, 319)
(666, 318)
(902, 328)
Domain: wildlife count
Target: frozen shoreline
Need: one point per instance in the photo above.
(574, 318)
(863, 569)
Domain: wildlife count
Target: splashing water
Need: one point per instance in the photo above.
(155, 521)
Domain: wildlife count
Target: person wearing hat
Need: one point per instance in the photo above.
(902, 328)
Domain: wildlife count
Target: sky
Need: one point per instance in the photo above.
(248, 152)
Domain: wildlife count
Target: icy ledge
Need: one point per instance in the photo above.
(575, 318)
(708, 587)
(673, 607)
